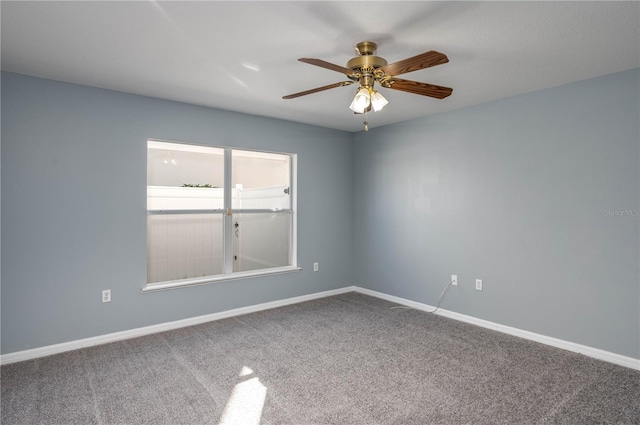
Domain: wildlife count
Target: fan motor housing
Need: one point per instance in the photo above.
(367, 61)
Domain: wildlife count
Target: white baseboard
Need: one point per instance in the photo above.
(596, 353)
(48, 350)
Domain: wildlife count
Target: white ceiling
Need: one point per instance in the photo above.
(242, 56)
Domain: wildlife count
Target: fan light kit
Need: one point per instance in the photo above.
(366, 97)
(368, 69)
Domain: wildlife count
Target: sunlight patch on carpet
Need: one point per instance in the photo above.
(245, 405)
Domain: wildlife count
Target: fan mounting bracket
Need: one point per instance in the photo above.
(366, 48)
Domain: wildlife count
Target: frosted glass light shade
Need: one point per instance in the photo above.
(361, 101)
(378, 101)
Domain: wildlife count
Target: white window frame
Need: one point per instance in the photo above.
(228, 212)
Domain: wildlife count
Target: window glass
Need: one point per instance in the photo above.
(183, 246)
(216, 211)
(261, 240)
(260, 180)
(180, 165)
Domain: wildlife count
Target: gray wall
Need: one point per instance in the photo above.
(74, 217)
(538, 195)
(529, 193)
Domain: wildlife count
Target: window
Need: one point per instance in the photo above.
(217, 213)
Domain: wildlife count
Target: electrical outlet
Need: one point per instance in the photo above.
(106, 296)
(315, 267)
(454, 279)
(478, 284)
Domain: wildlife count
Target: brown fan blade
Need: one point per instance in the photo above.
(327, 65)
(423, 89)
(317, 89)
(422, 61)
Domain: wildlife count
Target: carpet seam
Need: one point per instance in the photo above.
(94, 395)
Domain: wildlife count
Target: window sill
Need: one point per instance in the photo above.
(175, 284)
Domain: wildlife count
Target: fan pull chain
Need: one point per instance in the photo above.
(366, 122)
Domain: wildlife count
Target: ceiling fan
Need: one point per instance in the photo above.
(367, 69)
